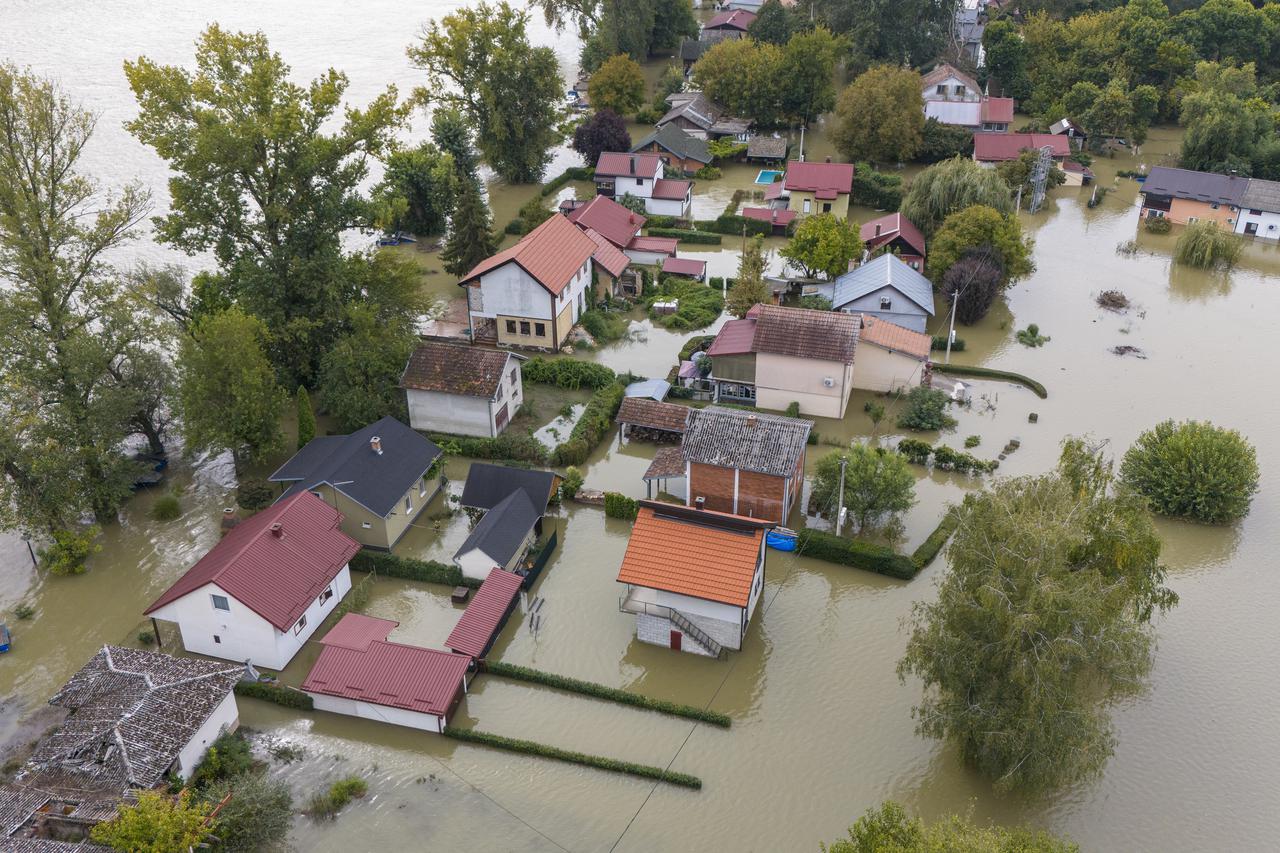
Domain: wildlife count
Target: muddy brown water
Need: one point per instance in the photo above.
(822, 726)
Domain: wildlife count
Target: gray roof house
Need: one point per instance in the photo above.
(745, 463)
(488, 485)
(700, 116)
(888, 288)
(501, 538)
(677, 148)
(377, 477)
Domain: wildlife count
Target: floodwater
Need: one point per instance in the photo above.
(822, 728)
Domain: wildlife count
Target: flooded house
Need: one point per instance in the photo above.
(681, 152)
(1183, 196)
(890, 357)
(744, 463)
(462, 390)
(693, 577)
(886, 287)
(501, 538)
(380, 478)
(817, 188)
(620, 174)
(992, 149)
(261, 592)
(728, 24)
(698, 115)
(894, 234)
(532, 294)
(953, 97)
(616, 232)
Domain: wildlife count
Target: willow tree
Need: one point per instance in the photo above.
(952, 185)
(1042, 624)
(1205, 245)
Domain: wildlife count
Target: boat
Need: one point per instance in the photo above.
(397, 239)
(5, 638)
(151, 471)
(781, 539)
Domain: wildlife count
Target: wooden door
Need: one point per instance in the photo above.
(675, 639)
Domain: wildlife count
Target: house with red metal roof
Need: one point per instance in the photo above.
(992, 149)
(693, 577)
(613, 228)
(643, 175)
(729, 24)
(361, 673)
(484, 617)
(894, 234)
(818, 187)
(259, 593)
(779, 218)
(532, 294)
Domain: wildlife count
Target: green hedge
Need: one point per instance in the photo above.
(592, 427)
(939, 344)
(567, 373)
(600, 691)
(509, 445)
(285, 696)
(620, 506)
(695, 344)
(930, 547)
(852, 552)
(409, 568)
(573, 173)
(966, 370)
(733, 223)
(657, 220)
(685, 235)
(599, 762)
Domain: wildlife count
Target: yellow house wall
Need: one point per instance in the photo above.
(530, 340)
(1182, 210)
(839, 205)
(382, 532)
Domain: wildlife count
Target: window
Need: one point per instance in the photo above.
(326, 595)
(217, 639)
(886, 304)
(524, 327)
(408, 503)
(941, 90)
(540, 329)
(826, 207)
(514, 373)
(302, 623)
(511, 327)
(221, 602)
(808, 204)
(422, 487)
(498, 395)
(1255, 212)
(639, 182)
(1214, 205)
(366, 525)
(960, 91)
(1191, 219)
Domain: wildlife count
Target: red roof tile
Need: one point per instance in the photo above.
(643, 412)
(831, 178)
(768, 214)
(891, 226)
(734, 338)
(483, 617)
(662, 245)
(276, 577)
(891, 336)
(356, 631)
(997, 109)
(615, 222)
(615, 164)
(805, 333)
(455, 369)
(608, 256)
(671, 190)
(735, 19)
(399, 676)
(552, 253)
(705, 555)
(684, 266)
(995, 147)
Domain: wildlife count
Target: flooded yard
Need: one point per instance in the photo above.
(821, 723)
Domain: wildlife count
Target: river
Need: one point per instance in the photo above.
(822, 727)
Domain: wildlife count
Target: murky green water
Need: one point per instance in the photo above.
(821, 726)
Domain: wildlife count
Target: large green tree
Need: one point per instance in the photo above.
(822, 245)
(471, 238)
(479, 60)
(1041, 625)
(952, 185)
(749, 288)
(79, 367)
(1007, 57)
(888, 829)
(417, 192)
(879, 116)
(878, 484)
(1226, 121)
(1193, 469)
(774, 23)
(617, 85)
(266, 176)
(808, 69)
(981, 226)
(896, 32)
(452, 135)
(745, 77)
(359, 377)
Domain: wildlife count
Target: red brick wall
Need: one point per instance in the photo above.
(759, 495)
(713, 484)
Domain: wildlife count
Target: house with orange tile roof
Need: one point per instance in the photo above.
(533, 293)
(693, 577)
(890, 357)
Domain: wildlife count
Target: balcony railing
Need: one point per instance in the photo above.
(630, 604)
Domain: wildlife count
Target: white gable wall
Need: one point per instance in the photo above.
(511, 291)
(225, 717)
(878, 369)
(457, 414)
(963, 113)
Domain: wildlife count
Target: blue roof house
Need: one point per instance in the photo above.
(888, 288)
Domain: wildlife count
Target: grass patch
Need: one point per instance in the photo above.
(166, 508)
(599, 762)
(600, 691)
(989, 373)
(567, 373)
(325, 805)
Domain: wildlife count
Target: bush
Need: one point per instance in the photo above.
(733, 224)
(708, 173)
(306, 417)
(987, 372)
(948, 459)
(70, 550)
(939, 344)
(1031, 337)
(573, 173)
(510, 445)
(620, 506)
(877, 484)
(1157, 225)
(410, 568)
(852, 552)
(572, 482)
(567, 373)
(600, 691)
(515, 227)
(592, 427)
(972, 440)
(604, 326)
(229, 755)
(698, 343)
(915, 450)
(876, 190)
(687, 235)
(1193, 469)
(924, 555)
(23, 611)
(529, 747)
(657, 220)
(257, 817)
(1206, 245)
(147, 637)
(647, 115)
(325, 805)
(286, 696)
(926, 409)
(255, 493)
(166, 508)
(716, 282)
(793, 409)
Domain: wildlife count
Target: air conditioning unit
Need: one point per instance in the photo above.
(828, 381)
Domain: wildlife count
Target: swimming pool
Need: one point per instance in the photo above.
(768, 176)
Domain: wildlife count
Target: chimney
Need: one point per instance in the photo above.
(828, 160)
(375, 444)
(877, 230)
(699, 502)
(752, 420)
(277, 530)
(631, 161)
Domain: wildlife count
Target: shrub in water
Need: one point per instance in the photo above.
(573, 480)
(1193, 469)
(166, 508)
(1157, 225)
(915, 450)
(70, 551)
(254, 494)
(1206, 245)
(926, 409)
(619, 506)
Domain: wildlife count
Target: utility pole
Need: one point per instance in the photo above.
(955, 297)
(840, 506)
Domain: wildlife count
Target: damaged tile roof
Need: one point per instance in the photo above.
(805, 333)
(132, 712)
(752, 441)
(455, 369)
(667, 462)
(643, 412)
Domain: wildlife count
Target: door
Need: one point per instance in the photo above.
(1251, 228)
(675, 639)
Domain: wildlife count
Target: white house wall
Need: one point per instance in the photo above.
(666, 207)
(510, 291)
(225, 717)
(1268, 223)
(877, 369)
(452, 413)
(782, 379)
(964, 113)
(288, 643)
(378, 713)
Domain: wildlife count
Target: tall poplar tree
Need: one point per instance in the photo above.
(471, 238)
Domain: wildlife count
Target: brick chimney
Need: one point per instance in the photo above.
(277, 530)
(828, 160)
(631, 161)
(878, 229)
(752, 420)
(699, 502)
(375, 444)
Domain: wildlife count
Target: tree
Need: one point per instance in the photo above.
(228, 398)
(582, 14)
(1225, 120)
(633, 203)
(258, 816)
(952, 185)
(773, 24)
(452, 135)
(80, 370)
(880, 116)
(617, 85)
(1007, 57)
(1205, 245)
(418, 191)
(480, 61)
(249, 150)
(888, 829)
(973, 283)
(745, 77)
(878, 484)
(808, 68)
(926, 409)
(306, 418)
(748, 289)
(823, 245)
(1193, 469)
(894, 32)
(471, 238)
(157, 824)
(673, 21)
(1017, 172)
(534, 212)
(940, 141)
(1041, 624)
(671, 81)
(603, 131)
(979, 225)
(360, 376)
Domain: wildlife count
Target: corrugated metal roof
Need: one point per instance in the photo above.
(622, 164)
(276, 577)
(734, 19)
(734, 338)
(752, 441)
(356, 631)
(775, 215)
(997, 109)
(995, 147)
(671, 190)
(503, 529)
(891, 226)
(399, 676)
(483, 618)
(661, 245)
(684, 266)
(885, 270)
(616, 223)
(608, 256)
(701, 553)
(552, 253)
(829, 178)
